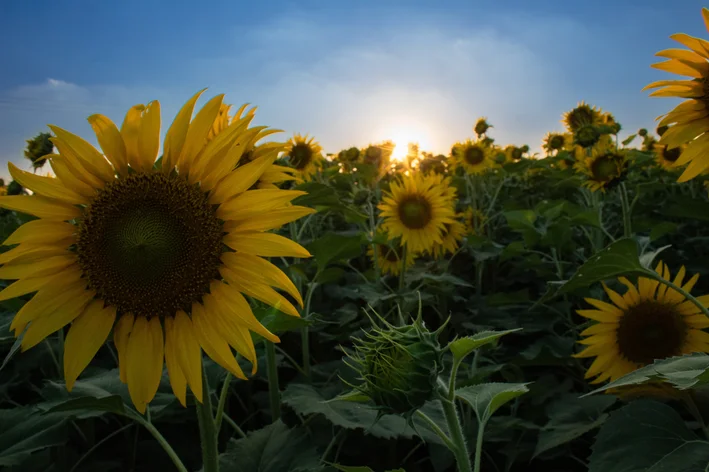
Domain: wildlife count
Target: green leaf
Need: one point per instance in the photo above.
(345, 468)
(24, 431)
(275, 448)
(619, 258)
(683, 372)
(647, 436)
(586, 218)
(306, 400)
(13, 350)
(109, 404)
(628, 140)
(461, 347)
(690, 208)
(661, 229)
(335, 247)
(318, 195)
(276, 321)
(487, 398)
(522, 221)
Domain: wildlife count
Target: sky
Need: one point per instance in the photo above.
(349, 73)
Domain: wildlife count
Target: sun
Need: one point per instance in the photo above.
(402, 137)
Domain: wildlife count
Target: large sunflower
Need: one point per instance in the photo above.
(650, 321)
(473, 156)
(604, 167)
(304, 156)
(416, 209)
(689, 121)
(389, 257)
(162, 254)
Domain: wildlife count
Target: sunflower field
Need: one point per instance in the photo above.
(221, 300)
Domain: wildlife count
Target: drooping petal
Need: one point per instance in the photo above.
(121, 334)
(189, 354)
(213, 343)
(46, 186)
(40, 207)
(111, 142)
(144, 361)
(264, 245)
(41, 231)
(178, 381)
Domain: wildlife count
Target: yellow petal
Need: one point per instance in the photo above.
(603, 306)
(690, 283)
(213, 343)
(65, 172)
(197, 134)
(599, 328)
(592, 351)
(175, 137)
(256, 202)
(697, 45)
(145, 360)
(677, 67)
(111, 142)
(246, 266)
(229, 301)
(76, 166)
(615, 297)
(698, 321)
(694, 150)
(598, 315)
(40, 207)
(663, 83)
(58, 291)
(87, 334)
(189, 354)
(682, 133)
(178, 381)
(271, 220)
(61, 315)
(130, 130)
(696, 167)
(149, 137)
(240, 180)
(40, 232)
(121, 334)
(46, 186)
(235, 335)
(25, 253)
(92, 160)
(221, 155)
(25, 286)
(265, 245)
(48, 266)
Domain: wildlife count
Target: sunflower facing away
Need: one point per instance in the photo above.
(604, 167)
(473, 156)
(649, 321)
(416, 208)
(580, 116)
(452, 236)
(389, 257)
(304, 156)
(474, 220)
(160, 254)
(689, 121)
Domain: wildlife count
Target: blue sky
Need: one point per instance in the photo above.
(349, 73)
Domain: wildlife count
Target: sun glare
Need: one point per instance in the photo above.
(402, 138)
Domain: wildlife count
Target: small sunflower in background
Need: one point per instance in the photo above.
(688, 122)
(481, 126)
(160, 254)
(582, 115)
(415, 209)
(304, 156)
(553, 143)
(473, 156)
(649, 321)
(389, 256)
(452, 235)
(610, 123)
(514, 153)
(378, 156)
(604, 167)
(474, 220)
(667, 158)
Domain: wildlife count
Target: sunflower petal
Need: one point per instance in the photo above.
(48, 266)
(264, 245)
(40, 207)
(111, 142)
(698, 45)
(121, 334)
(177, 133)
(149, 137)
(130, 130)
(270, 220)
(213, 343)
(197, 133)
(92, 160)
(41, 231)
(255, 202)
(67, 175)
(178, 381)
(189, 354)
(240, 180)
(60, 316)
(87, 334)
(250, 267)
(45, 186)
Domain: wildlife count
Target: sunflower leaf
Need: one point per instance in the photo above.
(486, 399)
(650, 436)
(461, 347)
(334, 248)
(25, 430)
(345, 468)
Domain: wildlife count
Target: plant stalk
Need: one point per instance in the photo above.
(222, 402)
(160, 439)
(274, 393)
(207, 429)
(625, 205)
(460, 450)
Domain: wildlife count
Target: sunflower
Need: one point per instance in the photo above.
(650, 321)
(378, 156)
(604, 167)
(514, 153)
(474, 220)
(481, 126)
(667, 158)
(389, 257)
(689, 121)
(304, 156)
(583, 114)
(160, 254)
(553, 142)
(415, 209)
(452, 236)
(473, 156)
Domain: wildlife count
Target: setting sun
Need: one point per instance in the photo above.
(402, 137)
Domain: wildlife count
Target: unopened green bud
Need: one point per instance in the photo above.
(481, 126)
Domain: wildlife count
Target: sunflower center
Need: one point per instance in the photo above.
(604, 169)
(556, 142)
(473, 155)
(415, 212)
(150, 244)
(301, 156)
(671, 155)
(651, 330)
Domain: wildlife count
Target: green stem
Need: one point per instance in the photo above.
(479, 446)
(624, 203)
(375, 246)
(451, 381)
(304, 331)
(222, 402)
(402, 274)
(460, 450)
(436, 429)
(207, 429)
(274, 393)
(96, 446)
(686, 294)
(161, 440)
(235, 426)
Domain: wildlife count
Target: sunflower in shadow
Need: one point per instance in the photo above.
(649, 321)
(304, 155)
(605, 167)
(473, 157)
(390, 255)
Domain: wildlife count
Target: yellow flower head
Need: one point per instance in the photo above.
(389, 256)
(553, 142)
(474, 220)
(473, 156)
(688, 122)
(416, 209)
(452, 235)
(667, 158)
(604, 167)
(304, 155)
(649, 321)
(160, 254)
(583, 114)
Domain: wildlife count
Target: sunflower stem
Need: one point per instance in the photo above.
(402, 274)
(207, 429)
(460, 450)
(479, 445)
(222, 402)
(274, 393)
(625, 205)
(654, 275)
(304, 331)
(375, 246)
(436, 429)
(162, 441)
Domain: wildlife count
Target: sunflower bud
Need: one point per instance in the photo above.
(481, 126)
(398, 366)
(642, 132)
(586, 136)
